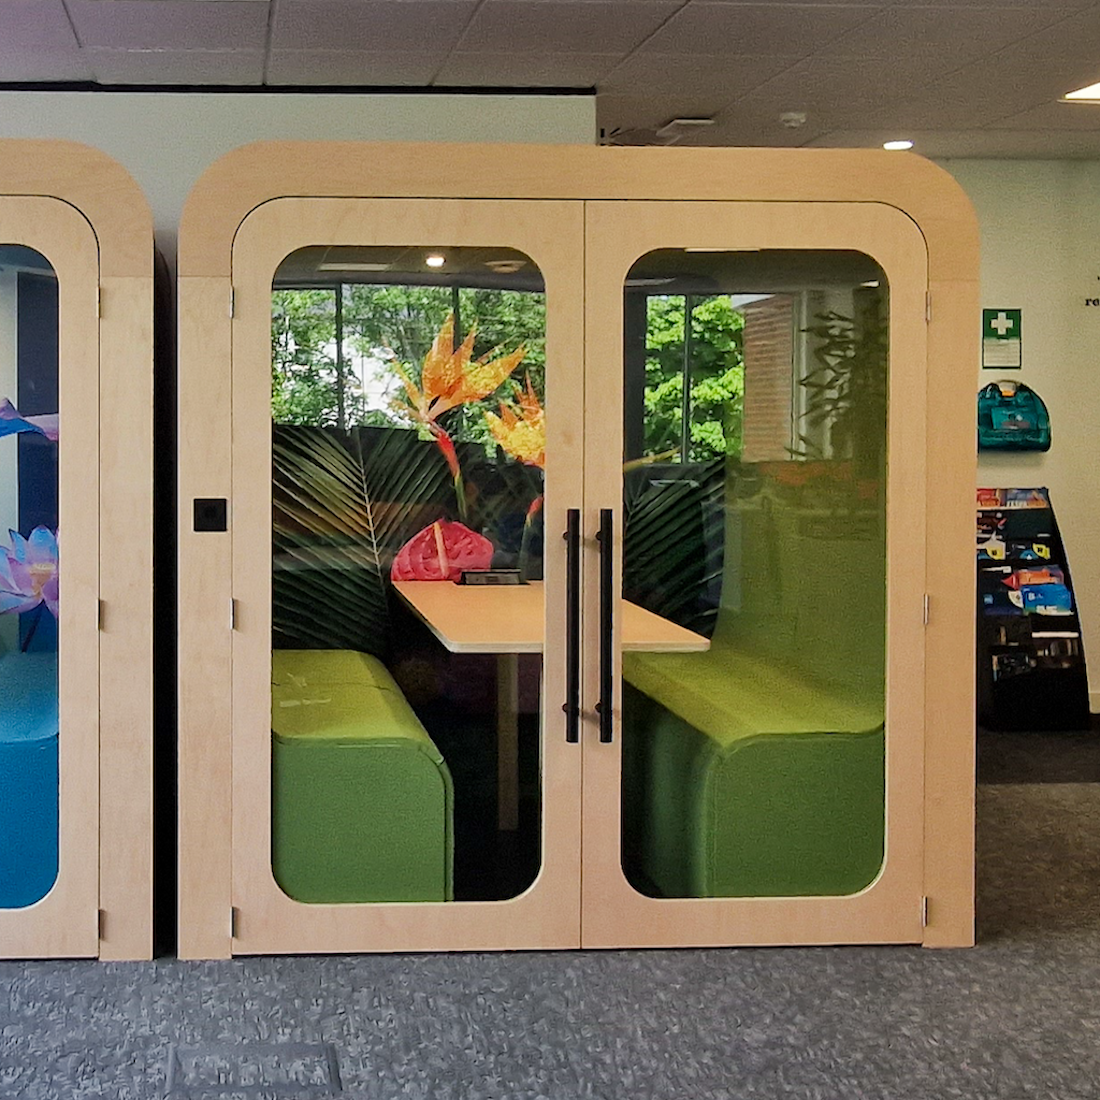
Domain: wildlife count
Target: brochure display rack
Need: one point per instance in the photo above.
(1031, 665)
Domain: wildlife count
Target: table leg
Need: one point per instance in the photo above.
(508, 741)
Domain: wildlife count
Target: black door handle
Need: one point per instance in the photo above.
(607, 602)
(572, 704)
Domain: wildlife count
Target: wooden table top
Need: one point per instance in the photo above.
(470, 618)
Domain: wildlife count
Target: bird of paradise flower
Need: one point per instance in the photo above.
(448, 379)
(521, 432)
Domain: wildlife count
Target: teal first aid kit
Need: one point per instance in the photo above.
(1012, 417)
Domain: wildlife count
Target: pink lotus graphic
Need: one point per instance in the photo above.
(28, 572)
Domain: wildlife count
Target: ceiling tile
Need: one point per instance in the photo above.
(182, 67)
(757, 120)
(19, 65)
(1002, 144)
(412, 26)
(819, 83)
(307, 67)
(564, 26)
(756, 131)
(959, 35)
(170, 24)
(672, 74)
(716, 29)
(1068, 6)
(993, 89)
(1076, 37)
(550, 70)
(35, 24)
(1053, 116)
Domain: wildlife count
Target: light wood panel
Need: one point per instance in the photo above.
(64, 923)
(950, 644)
(249, 176)
(96, 185)
(547, 914)
(126, 635)
(205, 647)
(509, 619)
(109, 473)
(889, 910)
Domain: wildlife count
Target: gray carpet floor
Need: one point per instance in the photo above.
(1019, 1016)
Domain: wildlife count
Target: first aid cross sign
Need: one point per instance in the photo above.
(1001, 346)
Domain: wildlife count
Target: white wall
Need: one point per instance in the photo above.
(167, 139)
(1040, 232)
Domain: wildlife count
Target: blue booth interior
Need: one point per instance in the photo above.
(28, 579)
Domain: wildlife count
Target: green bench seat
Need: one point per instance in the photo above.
(756, 769)
(362, 802)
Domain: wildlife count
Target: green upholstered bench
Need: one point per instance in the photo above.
(756, 769)
(362, 803)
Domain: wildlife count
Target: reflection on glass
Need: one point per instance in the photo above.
(28, 577)
(408, 451)
(755, 490)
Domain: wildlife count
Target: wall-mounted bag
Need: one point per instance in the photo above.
(1012, 417)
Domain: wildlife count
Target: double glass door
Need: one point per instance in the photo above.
(565, 540)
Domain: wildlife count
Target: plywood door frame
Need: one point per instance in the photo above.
(255, 174)
(63, 923)
(547, 914)
(889, 910)
(115, 307)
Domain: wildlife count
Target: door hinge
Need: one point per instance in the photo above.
(100, 614)
(101, 924)
(924, 912)
(234, 921)
(232, 302)
(232, 614)
(927, 604)
(928, 307)
(99, 301)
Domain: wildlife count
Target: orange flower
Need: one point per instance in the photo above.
(521, 432)
(449, 379)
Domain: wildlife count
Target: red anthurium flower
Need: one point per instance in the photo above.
(441, 552)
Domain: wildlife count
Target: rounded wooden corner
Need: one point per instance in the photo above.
(250, 175)
(96, 185)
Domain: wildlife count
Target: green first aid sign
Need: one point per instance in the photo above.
(1001, 345)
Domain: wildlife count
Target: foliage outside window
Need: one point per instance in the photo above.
(313, 378)
(715, 362)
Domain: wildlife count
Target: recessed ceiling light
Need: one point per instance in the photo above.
(895, 146)
(435, 260)
(505, 267)
(1091, 94)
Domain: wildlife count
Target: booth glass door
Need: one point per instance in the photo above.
(49, 668)
(755, 487)
(407, 411)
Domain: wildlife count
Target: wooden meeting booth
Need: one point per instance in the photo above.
(76, 374)
(553, 558)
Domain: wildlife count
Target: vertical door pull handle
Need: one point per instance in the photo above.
(607, 602)
(572, 704)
